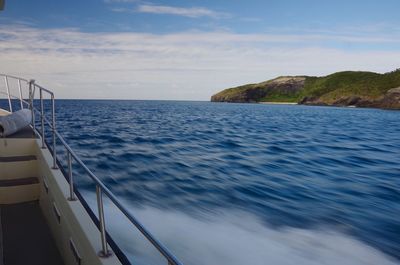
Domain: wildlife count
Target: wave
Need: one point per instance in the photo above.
(238, 239)
(289, 166)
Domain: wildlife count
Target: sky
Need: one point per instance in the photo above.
(189, 50)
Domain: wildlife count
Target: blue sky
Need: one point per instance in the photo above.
(239, 16)
(191, 49)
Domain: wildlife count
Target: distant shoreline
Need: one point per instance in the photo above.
(348, 88)
(278, 103)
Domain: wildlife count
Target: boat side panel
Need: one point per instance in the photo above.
(20, 169)
(19, 194)
(12, 167)
(73, 221)
(17, 146)
(4, 112)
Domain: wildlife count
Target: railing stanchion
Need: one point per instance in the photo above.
(8, 94)
(53, 116)
(42, 119)
(31, 98)
(104, 252)
(20, 94)
(71, 181)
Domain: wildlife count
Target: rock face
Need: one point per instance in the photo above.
(348, 88)
(286, 85)
(390, 100)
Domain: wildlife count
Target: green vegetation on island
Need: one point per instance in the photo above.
(361, 89)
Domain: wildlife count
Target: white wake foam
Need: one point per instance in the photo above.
(239, 239)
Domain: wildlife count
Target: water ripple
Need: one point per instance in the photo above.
(291, 166)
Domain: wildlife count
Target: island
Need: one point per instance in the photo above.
(349, 88)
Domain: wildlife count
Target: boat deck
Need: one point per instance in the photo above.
(26, 132)
(25, 237)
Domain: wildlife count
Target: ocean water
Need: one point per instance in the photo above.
(245, 183)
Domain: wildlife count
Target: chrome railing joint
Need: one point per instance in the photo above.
(71, 180)
(8, 92)
(104, 252)
(53, 116)
(42, 120)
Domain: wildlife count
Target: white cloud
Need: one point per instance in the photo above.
(122, 9)
(120, 1)
(187, 65)
(193, 12)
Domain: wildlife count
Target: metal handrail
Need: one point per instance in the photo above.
(23, 101)
(71, 155)
(14, 77)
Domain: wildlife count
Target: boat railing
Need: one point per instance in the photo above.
(30, 87)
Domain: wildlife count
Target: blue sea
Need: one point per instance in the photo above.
(240, 184)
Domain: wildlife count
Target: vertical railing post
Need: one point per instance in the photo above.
(42, 119)
(102, 226)
(53, 116)
(71, 180)
(20, 94)
(8, 94)
(31, 98)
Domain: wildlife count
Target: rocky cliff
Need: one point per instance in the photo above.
(360, 89)
(278, 89)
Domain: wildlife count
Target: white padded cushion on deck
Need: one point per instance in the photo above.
(14, 122)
